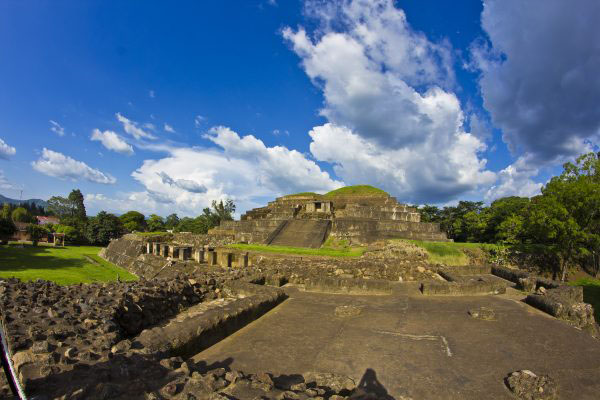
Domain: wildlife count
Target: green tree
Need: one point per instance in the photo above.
(510, 230)
(76, 199)
(20, 214)
(171, 221)
(72, 234)
(501, 210)
(7, 228)
(224, 211)
(36, 232)
(194, 225)
(471, 226)
(61, 207)
(6, 211)
(549, 223)
(156, 223)
(133, 221)
(210, 217)
(429, 213)
(102, 228)
(453, 223)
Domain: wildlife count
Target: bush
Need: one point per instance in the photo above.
(102, 228)
(7, 228)
(72, 234)
(36, 232)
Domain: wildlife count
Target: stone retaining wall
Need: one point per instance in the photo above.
(566, 303)
(345, 285)
(553, 297)
(481, 285)
(188, 336)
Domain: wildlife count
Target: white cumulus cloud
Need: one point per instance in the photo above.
(241, 168)
(6, 151)
(58, 165)
(132, 128)
(516, 180)
(168, 128)
(112, 141)
(393, 121)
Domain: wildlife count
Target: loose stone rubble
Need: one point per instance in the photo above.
(484, 313)
(528, 386)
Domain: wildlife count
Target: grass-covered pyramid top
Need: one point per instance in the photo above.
(347, 191)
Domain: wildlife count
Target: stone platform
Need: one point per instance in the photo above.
(407, 345)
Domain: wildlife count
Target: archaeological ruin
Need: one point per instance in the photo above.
(211, 318)
(307, 219)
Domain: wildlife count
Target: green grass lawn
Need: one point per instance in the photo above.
(63, 265)
(451, 253)
(591, 293)
(323, 251)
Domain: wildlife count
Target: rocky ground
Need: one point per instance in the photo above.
(74, 342)
(395, 261)
(70, 342)
(53, 329)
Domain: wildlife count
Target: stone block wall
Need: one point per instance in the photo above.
(363, 230)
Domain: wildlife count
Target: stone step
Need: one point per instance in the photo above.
(302, 233)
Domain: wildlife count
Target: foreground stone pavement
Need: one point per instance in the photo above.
(415, 346)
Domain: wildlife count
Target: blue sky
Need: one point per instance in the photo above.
(163, 108)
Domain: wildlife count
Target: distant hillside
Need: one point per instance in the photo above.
(38, 202)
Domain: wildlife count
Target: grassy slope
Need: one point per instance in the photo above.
(304, 194)
(450, 253)
(357, 190)
(65, 266)
(153, 234)
(591, 293)
(323, 251)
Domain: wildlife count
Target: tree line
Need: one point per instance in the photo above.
(563, 222)
(100, 229)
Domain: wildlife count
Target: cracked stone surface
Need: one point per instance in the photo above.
(404, 339)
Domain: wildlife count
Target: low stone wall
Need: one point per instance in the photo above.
(559, 300)
(481, 285)
(525, 280)
(566, 303)
(345, 285)
(465, 270)
(188, 336)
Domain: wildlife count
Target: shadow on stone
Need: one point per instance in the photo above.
(203, 367)
(369, 388)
